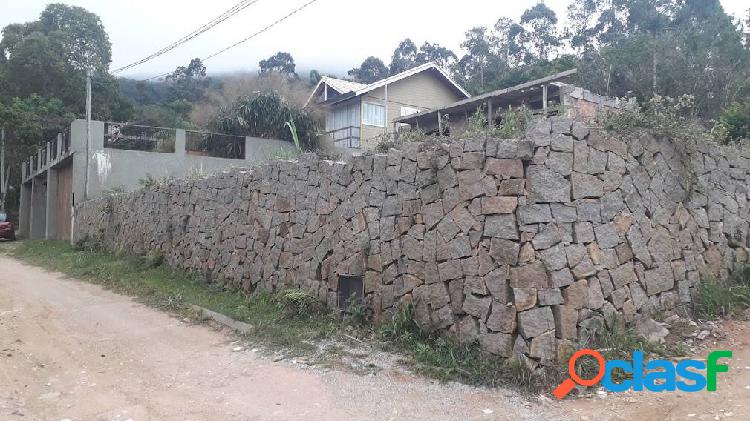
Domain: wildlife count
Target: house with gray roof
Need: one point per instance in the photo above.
(358, 114)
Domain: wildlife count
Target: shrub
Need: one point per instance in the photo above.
(735, 121)
(297, 304)
(672, 118)
(512, 125)
(265, 115)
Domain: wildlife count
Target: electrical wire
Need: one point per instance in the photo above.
(242, 5)
(264, 29)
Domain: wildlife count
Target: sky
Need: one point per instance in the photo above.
(329, 35)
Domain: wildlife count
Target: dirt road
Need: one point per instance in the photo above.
(71, 350)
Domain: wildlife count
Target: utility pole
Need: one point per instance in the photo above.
(88, 133)
(3, 176)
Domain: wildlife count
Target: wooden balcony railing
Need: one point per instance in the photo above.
(345, 137)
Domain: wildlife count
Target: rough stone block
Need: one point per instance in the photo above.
(501, 226)
(477, 306)
(584, 269)
(589, 210)
(505, 252)
(563, 213)
(550, 297)
(659, 279)
(512, 187)
(586, 186)
(560, 162)
(534, 322)
(550, 235)
(438, 294)
(566, 321)
(554, 258)
(606, 236)
(546, 186)
(466, 330)
(561, 278)
(544, 347)
(619, 296)
(442, 318)
(497, 284)
(524, 298)
(528, 276)
(623, 275)
(576, 294)
(502, 318)
(595, 296)
(499, 204)
(533, 214)
(450, 270)
(500, 344)
(506, 168)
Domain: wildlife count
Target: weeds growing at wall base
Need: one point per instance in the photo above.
(716, 298)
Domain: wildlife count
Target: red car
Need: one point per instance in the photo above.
(7, 230)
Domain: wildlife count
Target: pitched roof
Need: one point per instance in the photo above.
(353, 89)
(341, 85)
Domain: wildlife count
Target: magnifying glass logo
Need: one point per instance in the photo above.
(568, 384)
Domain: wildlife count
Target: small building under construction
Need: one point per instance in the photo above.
(551, 95)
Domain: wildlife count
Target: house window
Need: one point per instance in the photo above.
(373, 114)
(409, 111)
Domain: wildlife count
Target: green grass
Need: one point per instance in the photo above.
(438, 357)
(716, 298)
(618, 342)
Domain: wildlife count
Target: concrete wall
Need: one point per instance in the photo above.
(104, 169)
(115, 168)
(584, 105)
(523, 246)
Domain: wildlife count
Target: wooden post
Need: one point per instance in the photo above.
(544, 100)
(490, 114)
(386, 108)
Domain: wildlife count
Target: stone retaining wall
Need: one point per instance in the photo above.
(523, 246)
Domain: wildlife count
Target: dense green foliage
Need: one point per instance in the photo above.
(634, 48)
(371, 70)
(49, 57)
(280, 62)
(43, 66)
(265, 114)
(735, 121)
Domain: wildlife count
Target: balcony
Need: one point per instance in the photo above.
(345, 137)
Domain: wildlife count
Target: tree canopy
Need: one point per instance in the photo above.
(371, 70)
(280, 62)
(50, 56)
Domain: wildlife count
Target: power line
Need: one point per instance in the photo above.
(264, 29)
(242, 5)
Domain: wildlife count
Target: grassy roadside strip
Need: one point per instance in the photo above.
(275, 324)
(294, 323)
